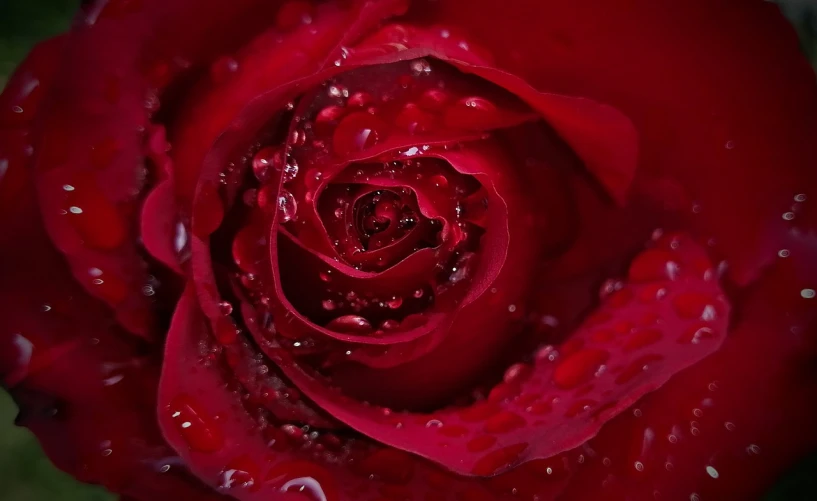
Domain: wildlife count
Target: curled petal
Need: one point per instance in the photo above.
(643, 334)
(730, 425)
(237, 457)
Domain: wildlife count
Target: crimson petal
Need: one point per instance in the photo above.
(224, 445)
(664, 321)
(730, 426)
(84, 387)
(603, 137)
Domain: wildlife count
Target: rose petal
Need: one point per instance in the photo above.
(84, 387)
(603, 137)
(87, 175)
(199, 161)
(730, 425)
(160, 228)
(658, 118)
(603, 368)
(238, 458)
(704, 142)
(303, 286)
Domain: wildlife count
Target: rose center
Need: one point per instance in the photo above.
(381, 218)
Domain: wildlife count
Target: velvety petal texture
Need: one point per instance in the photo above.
(427, 250)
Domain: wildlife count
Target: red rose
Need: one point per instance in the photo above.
(431, 250)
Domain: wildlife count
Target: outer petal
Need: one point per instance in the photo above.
(729, 426)
(84, 388)
(712, 118)
(601, 135)
(641, 336)
(220, 436)
(703, 105)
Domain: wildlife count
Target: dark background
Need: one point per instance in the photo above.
(26, 474)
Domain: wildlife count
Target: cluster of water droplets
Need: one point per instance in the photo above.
(270, 196)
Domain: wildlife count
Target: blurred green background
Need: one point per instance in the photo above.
(25, 473)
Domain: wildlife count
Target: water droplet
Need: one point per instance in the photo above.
(395, 302)
(180, 238)
(287, 207)
(390, 324)
(696, 334)
(353, 324)
(357, 132)
(438, 181)
(547, 352)
(297, 137)
(788, 216)
(712, 472)
(639, 466)
(420, 67)
(359, 100)
(504, 422)
(807, 293)
(195, 425)
(579, 367)
(249, 248)
(307, 486)
(108, 286)
(328, 118)
(418, 293)
(414, 120)
(462, 268)
(337, 91)
(241, 473)
(801, 197)
(225, 308)
(470, 113)
(433, 99)
(328, 304)
(516, 373)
